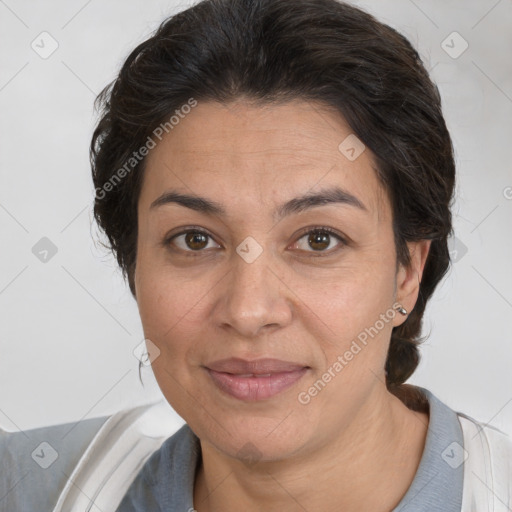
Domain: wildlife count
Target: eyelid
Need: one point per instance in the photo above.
(307, 230)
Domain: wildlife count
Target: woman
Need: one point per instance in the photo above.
(275, 179)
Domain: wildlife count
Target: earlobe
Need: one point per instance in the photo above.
(409, 278)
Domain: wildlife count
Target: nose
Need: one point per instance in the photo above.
(255, 299)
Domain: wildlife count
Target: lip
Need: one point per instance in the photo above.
(254, 380)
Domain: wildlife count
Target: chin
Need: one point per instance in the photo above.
(252, 439)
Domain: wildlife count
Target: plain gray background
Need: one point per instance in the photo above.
(69, 325)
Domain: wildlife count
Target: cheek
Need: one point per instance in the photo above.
(169, 312)
(161, 306)
(172, 308)
(351, 297)
(354, 321)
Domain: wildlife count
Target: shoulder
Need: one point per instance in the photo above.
(116, 455)
(490, 444)
(34, 463)
(487, 465)
(486, 438)
(484, 452)
(81, 465)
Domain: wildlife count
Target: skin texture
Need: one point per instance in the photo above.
(355, 444)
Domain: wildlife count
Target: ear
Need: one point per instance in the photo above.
(408, 279)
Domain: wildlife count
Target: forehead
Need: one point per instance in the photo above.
(241, 152)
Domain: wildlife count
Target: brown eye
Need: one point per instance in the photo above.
(319, 240)
(196, 240)
(191, 241)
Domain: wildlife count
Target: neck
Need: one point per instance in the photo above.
(369, 465)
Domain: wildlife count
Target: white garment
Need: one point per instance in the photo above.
(115, 456)
(127, 439)
(488, 468)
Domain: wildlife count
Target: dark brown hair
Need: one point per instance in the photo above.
(275, 51)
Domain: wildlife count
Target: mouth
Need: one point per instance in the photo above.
(254, 380)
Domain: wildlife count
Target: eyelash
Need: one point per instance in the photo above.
(322, 229)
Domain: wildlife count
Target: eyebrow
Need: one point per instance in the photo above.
(334, 195)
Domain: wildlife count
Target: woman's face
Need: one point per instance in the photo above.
(255, 283)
